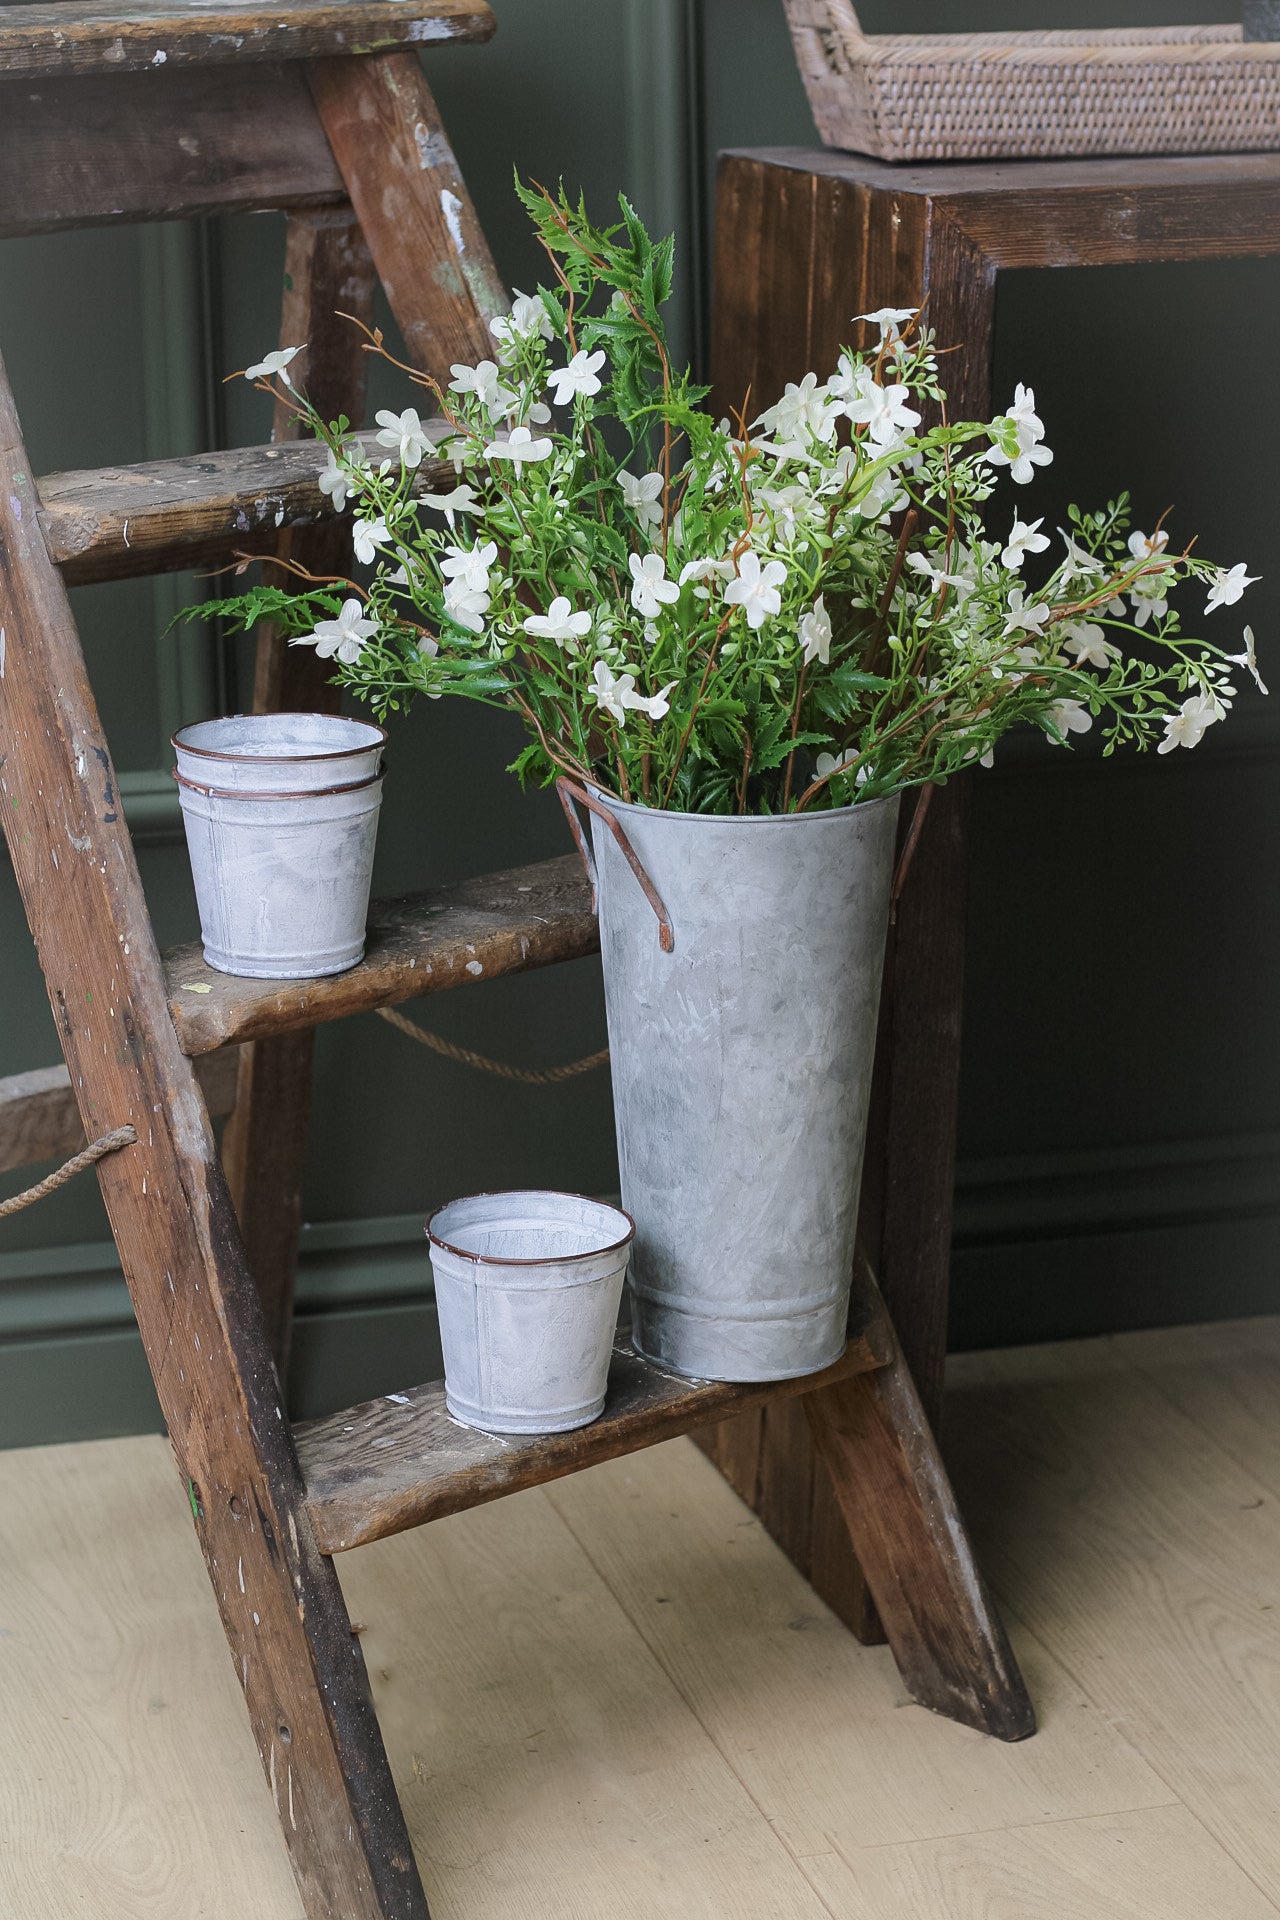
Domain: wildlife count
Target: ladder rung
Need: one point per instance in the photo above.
(473, 930)
(107, 523)
(86, 36)
(396, 1462)
(39, 1118)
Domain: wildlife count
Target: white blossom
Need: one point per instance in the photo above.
(519, 446)
(826, 763)
(485, 381)
(1088, 645)
(814, 633)
(611, 693)
(560, 623)
(1026, 538)
(656, 705)
(470, 566)
(580, 376)
(405, 434)
(890, 321)
(1149, 597)
(274, 363)
(643, 496)
(1028, 432)
(883, 410)
(650, 588)
(466, 605)
(1080, 564)
(804, 407)
(366, 537)
(342, 638)
(1248, 658)
(1068, 716)
(461, 500)
(1229, 586)
(335, 483)
(1023, 618)
(527, 318)
(755, 589)
(1187, 727)
(1145, 546)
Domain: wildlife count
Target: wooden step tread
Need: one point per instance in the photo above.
(451, 936)
(39, 1118)
(107, 523)
(396, 1462)
(86, 36)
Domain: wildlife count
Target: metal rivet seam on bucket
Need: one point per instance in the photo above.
(741, 1065)
(528, 1286)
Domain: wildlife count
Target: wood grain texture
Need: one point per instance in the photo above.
(1150, 1561)
(305, 1687)
(1153, 1865)
(328, 285)
(952, 1651)
(548, 1764)
(40, 1120)
(413, 204)
(86, 36)
(820, 1730)
(398, 1461)
(452, 936)
(163, 516)
(80, 151)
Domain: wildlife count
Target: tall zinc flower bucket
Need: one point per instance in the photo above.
(742, 963)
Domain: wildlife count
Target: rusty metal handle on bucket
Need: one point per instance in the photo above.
(570, 794)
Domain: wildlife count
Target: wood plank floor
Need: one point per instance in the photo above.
(613, 1699)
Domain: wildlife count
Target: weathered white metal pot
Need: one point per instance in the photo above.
(281, 815)
(528, 1287)
(741, 1063)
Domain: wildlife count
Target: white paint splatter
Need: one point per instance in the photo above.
(159, 57)
(240, 1571)
(399, 1399)
(474, 966)
(451, 207)
(3, 646)
(292, 1822)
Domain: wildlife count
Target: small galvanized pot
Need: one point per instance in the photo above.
(528, 1287)
(742, 963)
(281, 816)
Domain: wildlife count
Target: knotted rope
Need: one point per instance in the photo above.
(465, 1057)
(109, 1143)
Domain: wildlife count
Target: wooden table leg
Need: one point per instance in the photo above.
(798, 255)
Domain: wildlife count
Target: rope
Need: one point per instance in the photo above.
(109, 1143)
(526, 1075)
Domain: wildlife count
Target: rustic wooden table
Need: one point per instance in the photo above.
(805, 240)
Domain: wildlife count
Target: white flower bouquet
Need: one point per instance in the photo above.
(808, 608)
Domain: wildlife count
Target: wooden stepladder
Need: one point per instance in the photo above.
(171, 112)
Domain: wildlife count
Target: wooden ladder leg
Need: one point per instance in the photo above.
(301, 1669)
(430, 251)
(947, 1638)
(327, 273)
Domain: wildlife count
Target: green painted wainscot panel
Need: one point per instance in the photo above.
(1120, 1128)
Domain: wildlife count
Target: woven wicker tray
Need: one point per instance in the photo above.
(1024, 96)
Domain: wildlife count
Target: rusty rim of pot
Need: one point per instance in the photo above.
(308, 793)
(511, 1193)
(278, 759)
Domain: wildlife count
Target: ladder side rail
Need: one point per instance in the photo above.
(301, 1669)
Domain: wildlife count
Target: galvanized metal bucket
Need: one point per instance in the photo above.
(281, 816)
(742, 964)
(528, 1287)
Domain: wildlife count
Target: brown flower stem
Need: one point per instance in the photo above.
(795, 728)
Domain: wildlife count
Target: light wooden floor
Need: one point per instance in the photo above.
(613, 1699)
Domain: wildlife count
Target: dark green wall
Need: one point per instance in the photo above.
(1120, 1139)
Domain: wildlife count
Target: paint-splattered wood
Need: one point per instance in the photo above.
(80, 150)
(81, 36)
(452, 936)
(412, 201)
(301, 1670)
(107, 523)
(396, 1462)
(39, 1118)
